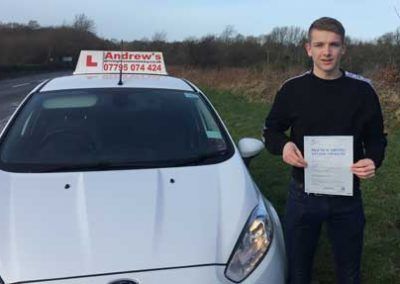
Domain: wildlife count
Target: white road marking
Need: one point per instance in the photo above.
(20, 85)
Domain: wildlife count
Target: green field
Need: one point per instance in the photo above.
(381, 258)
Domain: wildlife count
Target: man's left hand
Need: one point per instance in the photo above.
(364, 168)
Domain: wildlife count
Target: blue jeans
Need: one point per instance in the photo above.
(344, 217)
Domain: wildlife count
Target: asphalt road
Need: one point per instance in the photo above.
(13, 91)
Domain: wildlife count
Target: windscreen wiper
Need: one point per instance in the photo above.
(198, 160)
(76, 167)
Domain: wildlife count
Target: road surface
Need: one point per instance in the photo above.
(13, 91)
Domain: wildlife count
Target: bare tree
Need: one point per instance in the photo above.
(228, 34)
(287, 35)
(34, 25)
(160, 36)
(83, 23)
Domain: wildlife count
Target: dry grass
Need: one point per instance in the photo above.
(254, 83)
(387, 83)
(261, 84)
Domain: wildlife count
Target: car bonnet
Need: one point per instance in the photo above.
(56, 225)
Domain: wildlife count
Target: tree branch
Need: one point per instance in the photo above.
(397, 12)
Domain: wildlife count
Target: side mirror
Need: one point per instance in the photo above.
(249, 148)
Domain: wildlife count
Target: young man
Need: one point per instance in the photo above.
(328, 102)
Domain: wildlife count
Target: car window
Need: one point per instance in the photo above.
(208, 122)
(96, 129)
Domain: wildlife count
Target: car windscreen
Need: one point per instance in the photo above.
(105, 129)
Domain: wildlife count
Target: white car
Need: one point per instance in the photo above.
(131, 182)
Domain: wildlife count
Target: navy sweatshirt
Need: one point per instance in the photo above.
(311, 106)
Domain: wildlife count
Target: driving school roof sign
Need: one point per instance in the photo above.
(139, 62)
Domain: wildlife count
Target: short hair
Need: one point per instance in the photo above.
(327, 24)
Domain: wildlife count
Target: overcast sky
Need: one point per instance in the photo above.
(180, 19)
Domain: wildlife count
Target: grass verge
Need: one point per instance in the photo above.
(381, 258)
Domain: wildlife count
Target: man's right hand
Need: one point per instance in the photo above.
(292, 155)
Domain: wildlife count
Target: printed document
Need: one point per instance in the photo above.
(329, 160)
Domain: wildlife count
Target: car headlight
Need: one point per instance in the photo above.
(253, 244)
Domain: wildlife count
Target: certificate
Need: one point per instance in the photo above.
(329, 160)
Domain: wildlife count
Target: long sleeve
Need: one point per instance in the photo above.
(374, 139)
(277, 122)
